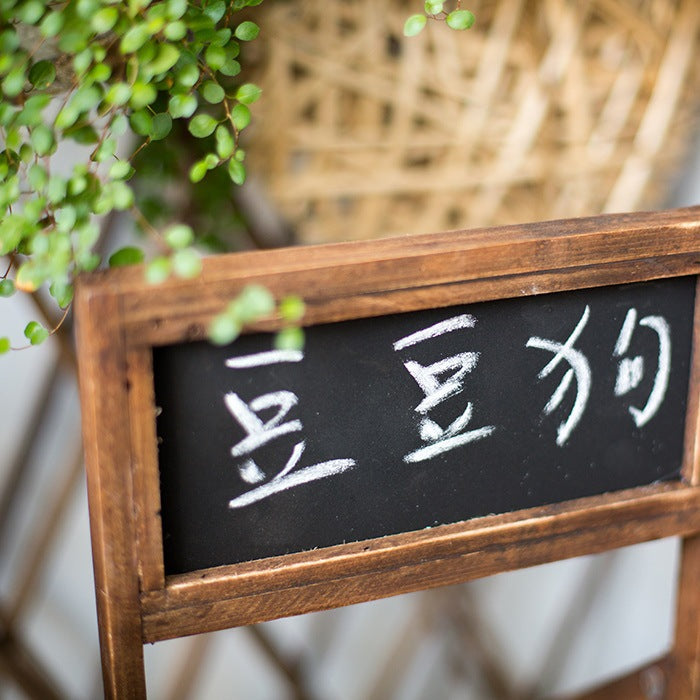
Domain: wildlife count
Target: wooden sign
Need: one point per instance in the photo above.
(413, 420)
(465, 403)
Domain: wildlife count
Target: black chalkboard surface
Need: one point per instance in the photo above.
(399, 423)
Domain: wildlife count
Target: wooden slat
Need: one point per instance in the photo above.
(144, 465)
(684, 666)
(341, 281)
(104, 403)
(691, 456)
(257, 591)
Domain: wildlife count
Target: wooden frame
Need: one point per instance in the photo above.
(120, 319)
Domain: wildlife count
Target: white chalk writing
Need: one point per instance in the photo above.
(260, 433)
(437, 388)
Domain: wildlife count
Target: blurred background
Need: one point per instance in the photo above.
(544, 109)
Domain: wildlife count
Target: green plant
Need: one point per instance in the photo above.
(457, 18)
(88, 72)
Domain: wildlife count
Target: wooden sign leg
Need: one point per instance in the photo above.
(677, 676)
(106, 439)
(684, 663)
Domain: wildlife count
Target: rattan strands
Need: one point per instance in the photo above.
(543, 109)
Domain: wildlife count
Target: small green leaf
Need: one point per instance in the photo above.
(121, 170)
(30, 277)
(248, 93)
(129, 255)
(188, 75)
(187, 263)
(37, 177)
(122, 195)
(240, 117)
(225, 143)
(14, 81)
(176, 8)
(433, 7)
(135, 38)
(7, 288)
(212, 92)
(119, 124)
(142, 95)
(198, 171)
(85, 99)
(12, 230)
(162, 124)
(4, 345)
(141, 122)
(202, 125)
(460, 19)
(118, 94)
(175, 31)
(31, 12)
(83, 60)
(224, 329)
(290, 339)
(56, 189)
(215, 57)
(253, 303)
(414, 25)
(167, 57)
(158, 270)
(247, 31)
(84, 135)
(35, 333)
(103, 20)
(65, 218)
(77, 184)
(52, 23)
(179, 236)
(42, 74)
(292, 309)
(66, 117)
(231, 68)
(215, 10)
(182, 106)
(236, 171)
(104, 151)
(62, 293)
(43, 140)
(87, 8)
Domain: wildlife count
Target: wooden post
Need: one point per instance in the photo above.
(104, 401)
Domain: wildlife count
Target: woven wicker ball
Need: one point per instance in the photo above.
(545, 109)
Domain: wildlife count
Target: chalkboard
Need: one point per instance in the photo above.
(404, 422)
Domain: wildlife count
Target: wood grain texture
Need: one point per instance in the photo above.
(691, 456)
(684, 661)
(354, 280)
(142, 415)
(104, 407)
(322, 579)
(120, 318)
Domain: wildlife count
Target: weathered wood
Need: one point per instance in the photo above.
(691, 457)
(256, 591)
(104, 402)
(684, 662)
(142, 414)
(342, 281)
(120, 318)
